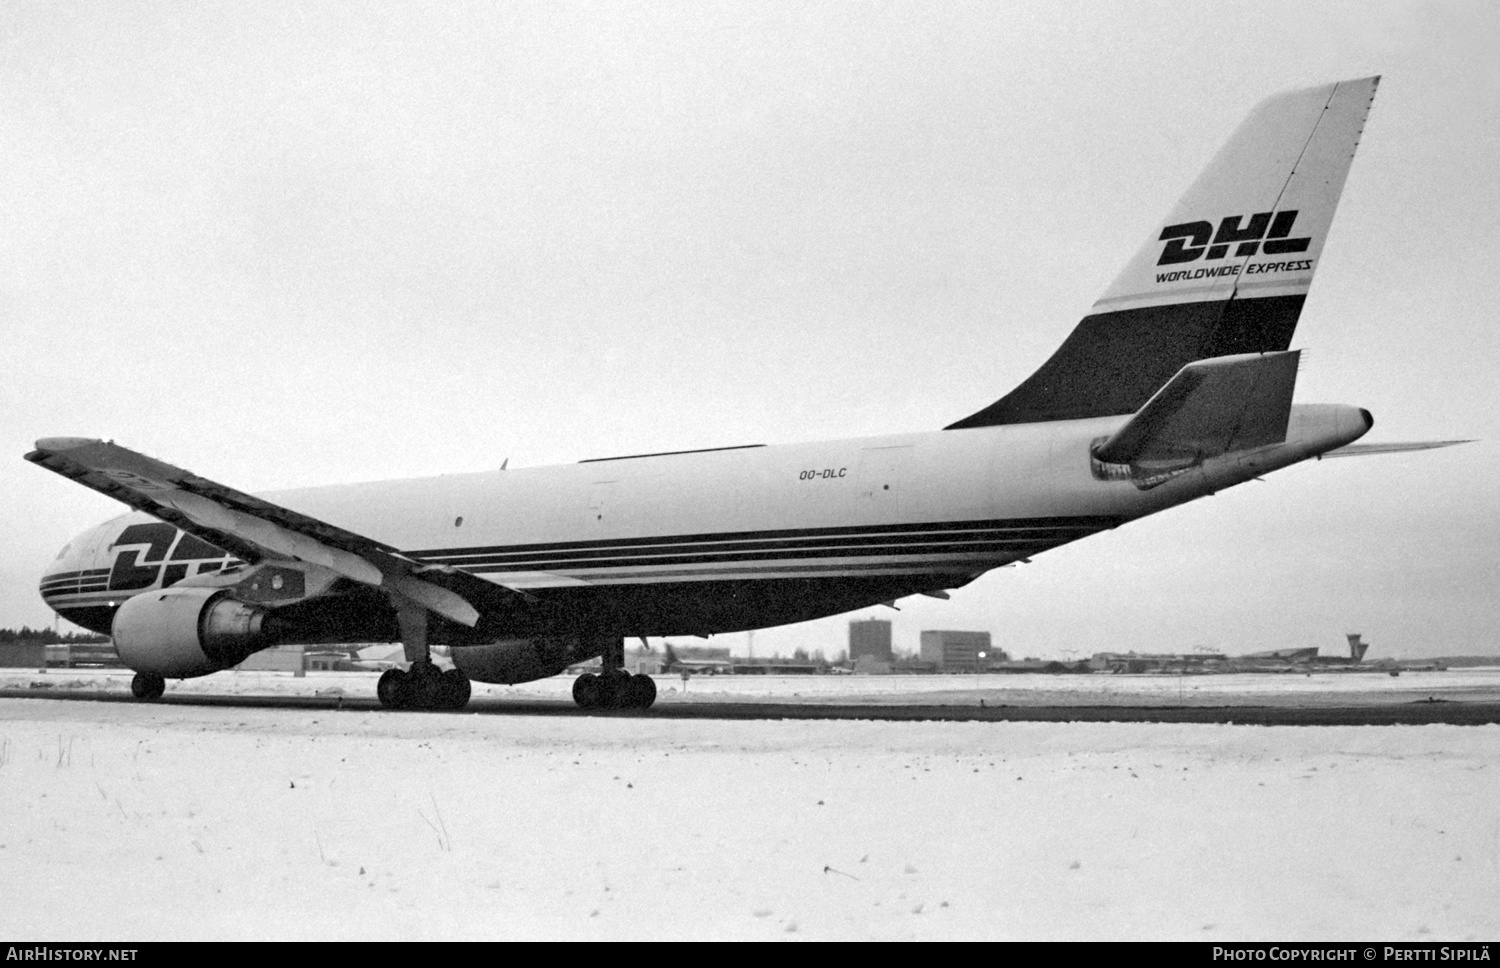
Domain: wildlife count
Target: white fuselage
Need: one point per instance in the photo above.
(848, 522)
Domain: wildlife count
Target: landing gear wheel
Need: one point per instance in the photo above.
(587, 691)
(391, 689)
(456, 690)
(147, 685)
(613, 687)
(619, 690)
(615, 690)
(642, 692)
(423, 687)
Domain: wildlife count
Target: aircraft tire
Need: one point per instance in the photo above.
(616, 691)
(147, 685)
(456, 690)
(425, 687)
(587, 691)
(391, 689)
(642, 692)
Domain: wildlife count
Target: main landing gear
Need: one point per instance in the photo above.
(614, 690)
(147, 685)
(613, 687)
(423, 685)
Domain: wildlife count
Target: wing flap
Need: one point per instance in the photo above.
(1210, 407)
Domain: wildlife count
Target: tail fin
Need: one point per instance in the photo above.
(1226, 273)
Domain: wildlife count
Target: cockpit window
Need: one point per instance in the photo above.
(64, 553)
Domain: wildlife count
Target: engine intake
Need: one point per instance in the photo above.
(184, 632)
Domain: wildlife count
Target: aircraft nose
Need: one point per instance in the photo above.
(62, 563)
(1368, 418)
(69, 574)
(56, 579)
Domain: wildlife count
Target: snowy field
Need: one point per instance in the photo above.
(141, 822)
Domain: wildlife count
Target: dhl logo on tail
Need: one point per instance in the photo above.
(1189, 241)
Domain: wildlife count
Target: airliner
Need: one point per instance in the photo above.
(1176, 385)
(674, 663)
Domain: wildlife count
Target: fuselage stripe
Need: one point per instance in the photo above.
(663, 576)
(74, 583)
(921, 560)
(88, 573)
(1083, 525)
(788, 544)
(1004, 547)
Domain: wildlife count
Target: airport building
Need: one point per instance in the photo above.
(870, 639)
(278, 658)
(952, 651)
(23, 655)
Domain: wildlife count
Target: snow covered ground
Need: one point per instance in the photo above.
(127, 821)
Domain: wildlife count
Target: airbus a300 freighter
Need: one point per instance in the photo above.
(1178, 384)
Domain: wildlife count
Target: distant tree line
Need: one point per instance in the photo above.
(48, 637)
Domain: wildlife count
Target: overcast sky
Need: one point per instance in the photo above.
(287, 245)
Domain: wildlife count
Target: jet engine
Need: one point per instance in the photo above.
(510, 661)
(185, 632)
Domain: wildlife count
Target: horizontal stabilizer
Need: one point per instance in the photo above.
(1210, 407)
(1365, 450)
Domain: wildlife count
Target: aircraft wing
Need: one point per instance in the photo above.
(1210, 407)
(255, 529)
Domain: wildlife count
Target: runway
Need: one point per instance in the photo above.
(1467, 697)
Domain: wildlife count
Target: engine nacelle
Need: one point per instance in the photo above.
(510, 661)
(183, 632)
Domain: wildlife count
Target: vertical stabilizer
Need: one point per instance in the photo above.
(1225, 272)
